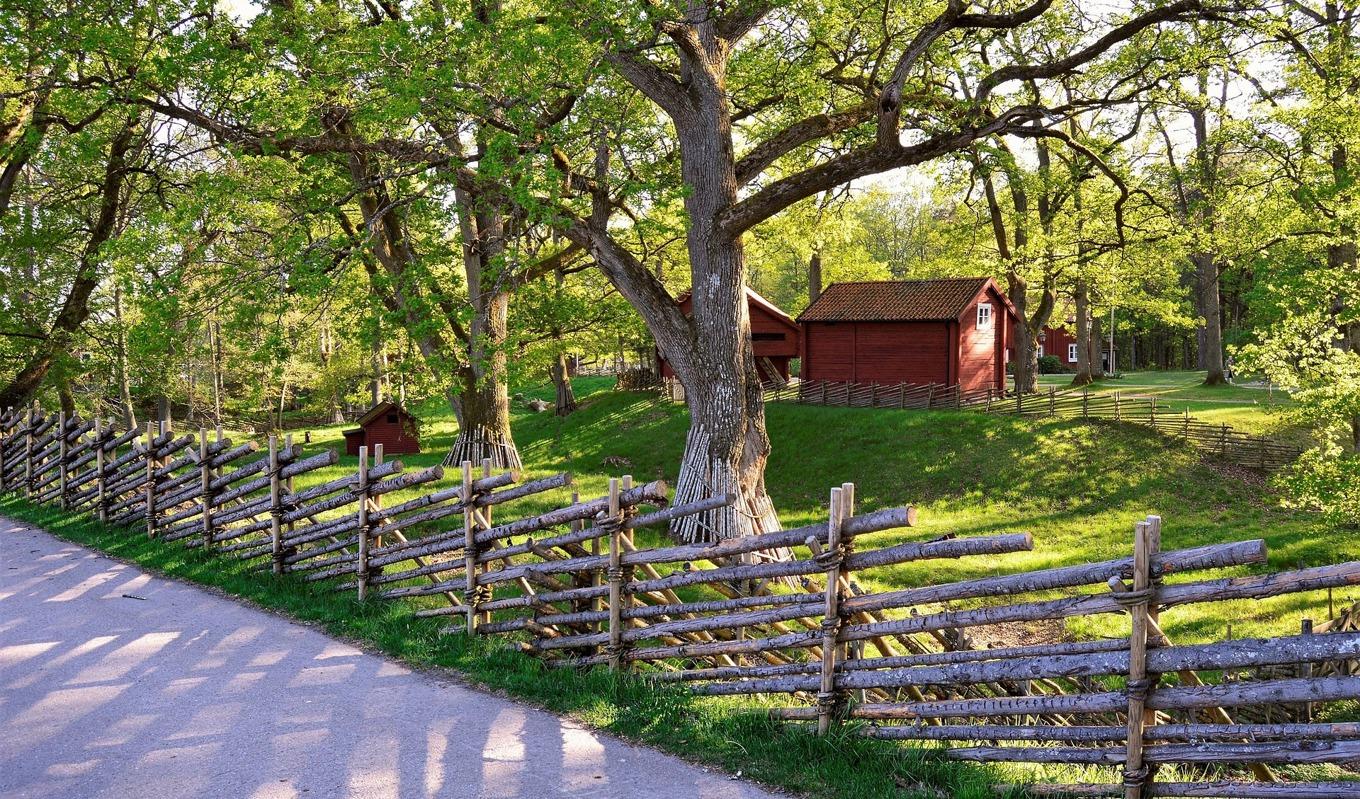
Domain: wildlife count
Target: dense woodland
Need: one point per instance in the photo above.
(249, 212)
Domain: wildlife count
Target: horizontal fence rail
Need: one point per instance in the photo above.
(1220, 441)
(783, 615)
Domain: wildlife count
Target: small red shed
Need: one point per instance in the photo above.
(775, 338)
(386, 423)
(953, 331)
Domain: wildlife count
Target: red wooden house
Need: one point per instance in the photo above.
(386, 423)
(953, 331)
(1060, 343)
(774, 337)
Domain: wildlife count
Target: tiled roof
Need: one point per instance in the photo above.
(380, 409)
(894, 300)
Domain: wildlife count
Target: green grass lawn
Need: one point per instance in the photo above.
(1078, 488)
(1250, 408)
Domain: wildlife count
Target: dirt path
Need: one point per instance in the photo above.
(180, 693)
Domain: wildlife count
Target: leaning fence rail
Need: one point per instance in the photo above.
(783, 614)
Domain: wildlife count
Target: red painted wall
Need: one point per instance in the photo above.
(394, 437)
(1056, 342)
(982, 351)
(911, 352)
(877, 352)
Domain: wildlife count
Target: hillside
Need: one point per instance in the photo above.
(1077, 488)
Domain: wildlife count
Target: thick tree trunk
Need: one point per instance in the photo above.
(1210, 334)
(484, 403)
(1085, 372)
(1026, 363)
(728, 446)
(561, 378)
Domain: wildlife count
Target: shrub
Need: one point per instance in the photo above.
(1050, 365)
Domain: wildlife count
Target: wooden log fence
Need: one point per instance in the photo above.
(571, 585)
(1219, 440)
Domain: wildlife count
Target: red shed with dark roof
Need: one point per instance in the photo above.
(774, 337)
(953, 331)
(386, 423)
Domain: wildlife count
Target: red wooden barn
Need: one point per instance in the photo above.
(949, 331)
(386, 423)
(774, 338)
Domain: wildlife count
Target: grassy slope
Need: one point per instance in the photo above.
(1247, 408)
(1077, 488)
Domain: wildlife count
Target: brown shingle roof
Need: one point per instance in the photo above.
(380, 409)
(894, 300)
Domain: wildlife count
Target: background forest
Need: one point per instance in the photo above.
(272, 214)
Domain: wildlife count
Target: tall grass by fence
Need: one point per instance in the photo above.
(1218, 440)
(573, 586)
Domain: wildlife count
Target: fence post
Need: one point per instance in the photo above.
(1223, 441)
(28, 450)
(99, 466)
(205, 489)
(469, 551)
(152, 433)
(1052, 401)
(1116, 407)
(827, 698)
(615, 576)
(1019, 402)
(1085, 402)
(1187, 424)
(5, 432)
(1139, 685)
(1152, 412)
(1306, 669)
(374, 503)
(275, 509)
(61, 460)
(361, 515)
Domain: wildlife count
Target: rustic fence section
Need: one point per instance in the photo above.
(917, 396)
(779, 614)
(1219, 440)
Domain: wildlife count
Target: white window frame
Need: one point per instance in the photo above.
(1041, 350)
(1072, 353)
(984, 315)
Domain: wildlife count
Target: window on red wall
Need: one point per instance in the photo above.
(984, 314)
(391, 418)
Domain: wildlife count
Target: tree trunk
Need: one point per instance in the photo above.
(75, 309)
(1095, 347)
(484, 403)
(125, 406)
(375, 384)
(814, 276)
(1210, 333)
(560, 370)
(1085, 373)
(561, 378)
(66, 398)
(727, 447)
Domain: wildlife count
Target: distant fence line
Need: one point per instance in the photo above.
(572, 585)
(1218, 440)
